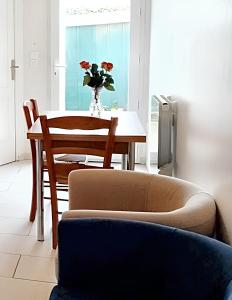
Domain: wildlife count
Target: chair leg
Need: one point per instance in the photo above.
(54, 208)
(34, 191)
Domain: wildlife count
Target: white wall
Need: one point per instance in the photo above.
(34, 19)
(191, 59)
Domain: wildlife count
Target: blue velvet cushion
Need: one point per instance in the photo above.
(123, 260)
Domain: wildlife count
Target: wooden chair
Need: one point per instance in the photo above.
(31, 113)
(30, 109)
(58, 172)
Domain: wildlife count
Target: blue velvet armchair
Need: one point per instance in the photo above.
(125, 260)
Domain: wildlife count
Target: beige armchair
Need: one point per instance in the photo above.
(139, 196)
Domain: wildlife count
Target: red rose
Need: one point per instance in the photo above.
(85, 65)
(104, 65)
(109, 66)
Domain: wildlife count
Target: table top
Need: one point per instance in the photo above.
(129, 128)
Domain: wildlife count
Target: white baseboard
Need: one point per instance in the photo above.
(24, 156)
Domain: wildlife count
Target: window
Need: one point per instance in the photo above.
(95, 31)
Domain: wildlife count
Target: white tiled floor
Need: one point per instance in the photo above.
(12, 289)
(27, 267)
(36, 268)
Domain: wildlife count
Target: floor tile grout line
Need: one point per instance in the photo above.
(28, 255)
(14, 234)
(28, 280)
(45, 257)
(10, 253)
(13, 277)
(21, 219)
(33, 280)
(16, 266)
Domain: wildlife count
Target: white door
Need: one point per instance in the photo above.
(139, 44)
(138, 98)
(7, 69)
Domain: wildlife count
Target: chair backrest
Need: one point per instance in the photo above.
(52, 144)
(31, 112)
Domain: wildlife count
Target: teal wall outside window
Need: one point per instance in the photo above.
(97, 43)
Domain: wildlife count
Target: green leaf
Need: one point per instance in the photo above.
(110, 80)
(102, 73)
(109, 87)
(86, 80)
(94, 68)
(100, 80)
(107, 75)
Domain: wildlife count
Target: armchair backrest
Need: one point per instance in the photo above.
(135, 260)
(128, 191)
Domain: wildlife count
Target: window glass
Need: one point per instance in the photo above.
(97, 31)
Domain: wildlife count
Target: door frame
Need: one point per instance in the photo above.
(139, 68)
(11, 55)
(20, 132)
(57, 57)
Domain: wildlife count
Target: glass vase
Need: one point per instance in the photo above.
(95, 107)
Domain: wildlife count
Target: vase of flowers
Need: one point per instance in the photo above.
(97, 80)
(95, 106)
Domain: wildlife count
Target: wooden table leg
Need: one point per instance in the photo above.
(40, 202)
(131, 156)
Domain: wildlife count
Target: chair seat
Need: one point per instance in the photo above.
(68, 158)
(71, 158)
(63, 170)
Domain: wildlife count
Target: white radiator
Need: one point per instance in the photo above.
(166, 110)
